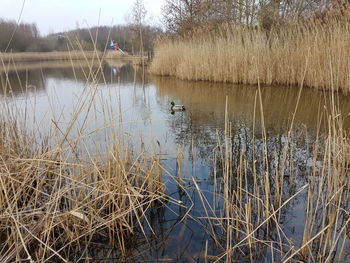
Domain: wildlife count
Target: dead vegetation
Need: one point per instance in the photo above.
(238, 54)
(58, 197)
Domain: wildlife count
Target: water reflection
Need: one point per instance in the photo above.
(189, 142)
(19, 78)
(206, 103)
(20, 82)
(202, 126)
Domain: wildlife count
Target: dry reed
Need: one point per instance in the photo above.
(231, 53)
(259, 186)
(58, 198)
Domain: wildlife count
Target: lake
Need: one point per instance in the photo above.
(121, 99)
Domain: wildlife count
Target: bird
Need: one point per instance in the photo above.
(176, 107)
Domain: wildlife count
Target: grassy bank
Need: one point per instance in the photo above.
(59, 55)
(238, 55)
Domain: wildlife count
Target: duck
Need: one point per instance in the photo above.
(176, 107)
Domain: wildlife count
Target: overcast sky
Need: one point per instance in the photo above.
(60, 15)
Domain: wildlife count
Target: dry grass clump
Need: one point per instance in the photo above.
(255, 200)
(73, 194)
(55, 205)
(239, 55)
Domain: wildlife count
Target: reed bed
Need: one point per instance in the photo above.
(64, 196)
(60, 198)
(240, 55)
(257, 189)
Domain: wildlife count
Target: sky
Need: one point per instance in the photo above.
(52, 16)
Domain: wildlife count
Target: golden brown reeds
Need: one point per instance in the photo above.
(53, 207)
(255, 198)
(58, 198)
(231, 53)
(257, 192)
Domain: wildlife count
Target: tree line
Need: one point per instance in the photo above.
(18, 37)
(25, 37)
(179, 16)
(182, 16)
(126, 36)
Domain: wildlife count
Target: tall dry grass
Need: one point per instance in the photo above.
(59, 199)
(240, 55)
(65, 193)
(55, 208)
(254, 200)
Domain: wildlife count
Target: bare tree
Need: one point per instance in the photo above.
(18, 37)
(138, 18)
(139, 15)
(181, 16)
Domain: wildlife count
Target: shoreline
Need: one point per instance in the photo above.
(63, 56)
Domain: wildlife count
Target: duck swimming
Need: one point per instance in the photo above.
(176, 107)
